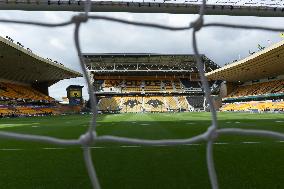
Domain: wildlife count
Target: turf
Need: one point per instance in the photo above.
(239, 165)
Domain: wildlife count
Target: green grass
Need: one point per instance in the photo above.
(239, 165)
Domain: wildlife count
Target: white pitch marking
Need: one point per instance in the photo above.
(190, 123)
(279, 121)
(35, 126)
(11, 149)
(250, 142)
(144, 124)
(221, 143)
(237, 122)
(135, 146)
(98, 147)
(53, 148)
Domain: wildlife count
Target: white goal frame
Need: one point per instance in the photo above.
(212, 7)
(90, 137)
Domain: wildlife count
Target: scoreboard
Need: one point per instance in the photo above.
(74, 94)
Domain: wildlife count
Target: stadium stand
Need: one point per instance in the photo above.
(48, 110)
(144, 103)
(14, 91)
(176, 85)
(27, 110)
(184, 104)
(168, 87)
(109, 104)
(172, 102)
(147, 82)
(253, 85)
(259, 89)
(154, 104)
(5, 111)
(190, 85)
(196, 101)
(254, 106)
(152, 86)
(132, 104)
(24, 84)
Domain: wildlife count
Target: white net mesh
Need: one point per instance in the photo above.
(87, 139)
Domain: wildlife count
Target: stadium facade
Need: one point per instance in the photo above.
(147, 82)
(25, 78)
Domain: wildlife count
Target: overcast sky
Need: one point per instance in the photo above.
(219, 44)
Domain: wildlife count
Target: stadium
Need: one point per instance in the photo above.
(152, 120)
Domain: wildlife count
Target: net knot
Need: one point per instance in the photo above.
(211, 133)
(197, 25)
(87, 138)
(80, 18)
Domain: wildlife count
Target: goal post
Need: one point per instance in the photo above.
(264, 8)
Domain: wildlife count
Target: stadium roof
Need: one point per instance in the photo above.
(19, 64)
(263, 64)
(213, 7)
(143, 63)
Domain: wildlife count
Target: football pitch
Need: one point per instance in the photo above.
(240, 161)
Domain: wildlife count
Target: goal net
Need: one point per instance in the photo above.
(213, 132)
